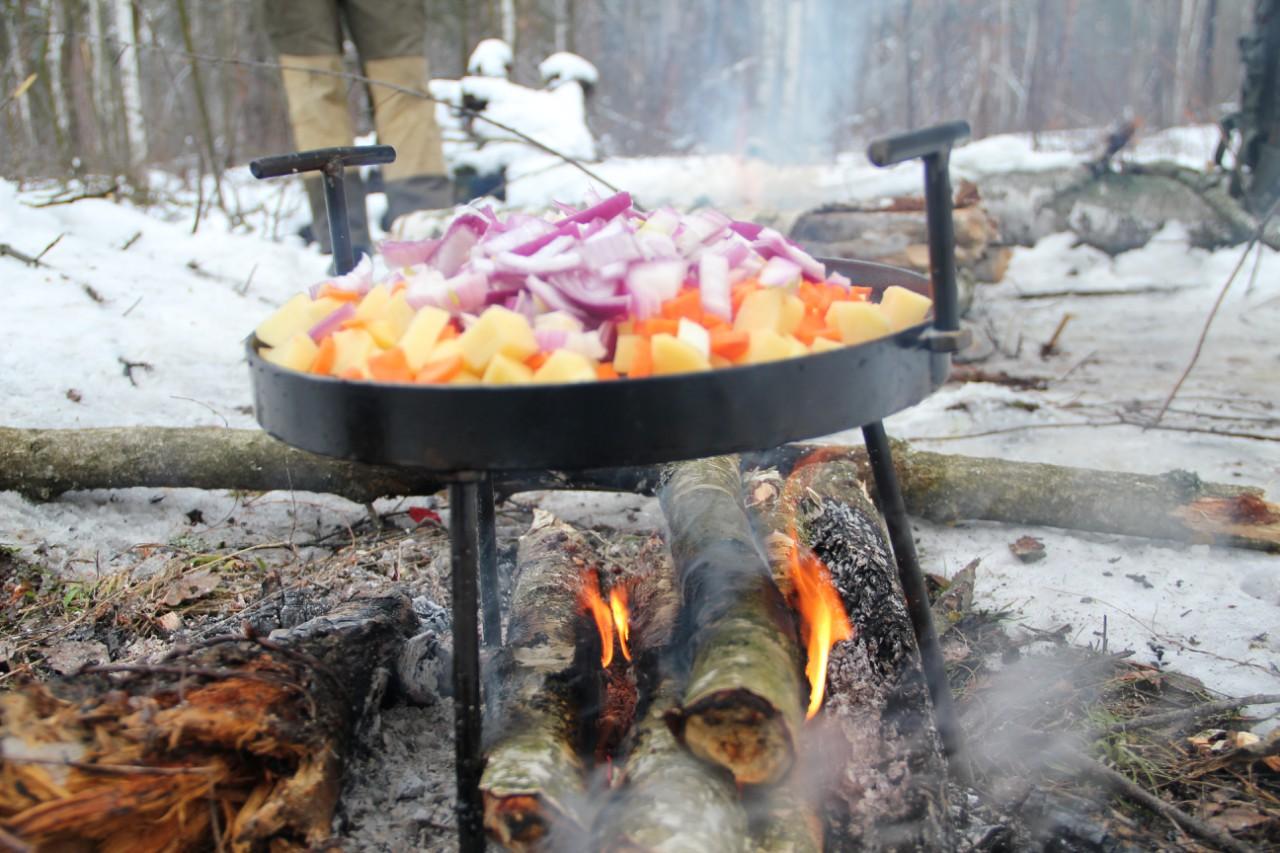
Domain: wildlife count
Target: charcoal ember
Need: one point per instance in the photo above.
(434, 617)
(1028, 549)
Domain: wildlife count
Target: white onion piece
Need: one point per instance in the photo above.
(652, 283)
(695, 336)
(536, 264)
(550, 339)
(780, 272)
(841, 280)
(713, 282)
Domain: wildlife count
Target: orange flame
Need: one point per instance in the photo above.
(594, 604)
(823, 619)
(618, 607)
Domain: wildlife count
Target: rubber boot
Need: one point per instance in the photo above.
(421, 192)
(357, 214)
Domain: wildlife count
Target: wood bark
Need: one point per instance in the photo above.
(237, 742)
(533, 778)
(669, 800)
(873, 752)
(741, 708)
(41, 464)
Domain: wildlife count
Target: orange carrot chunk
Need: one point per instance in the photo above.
(605, 371)
(339, 294)
(537, 360)
(323, 362)
(688, 305)
(390, 366)
(729, 343)
(442, 370)
(642, 361)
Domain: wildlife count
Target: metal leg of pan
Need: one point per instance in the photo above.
(465, 539)
(490, 598)
(912, 580)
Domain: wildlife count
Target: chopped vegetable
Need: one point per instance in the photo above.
(579, 295)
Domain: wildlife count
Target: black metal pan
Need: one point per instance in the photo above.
(606, 424)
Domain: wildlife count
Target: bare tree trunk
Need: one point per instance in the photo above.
(1004, 99)
(135, 123)
(509, 23)
(1208, 36)
(202, 108)
(1030, 57)
(908, 75)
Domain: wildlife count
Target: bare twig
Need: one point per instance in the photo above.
(11, 843)
(244, 288)
(1213, 312)
(81, 197)
(129, 310)
(46, 249)
(129, 243)
(130, 366)
(1126, 787)
(113, 769)
(1051, 346)
(1197, 712)
(6, 249)
(1117, 291)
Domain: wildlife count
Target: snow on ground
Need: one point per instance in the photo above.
(182, 303)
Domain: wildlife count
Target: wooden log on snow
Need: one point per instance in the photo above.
(41, 464)
(532, 784)
(238, 743)
(872, 750)
(741, 708)
(669, 800)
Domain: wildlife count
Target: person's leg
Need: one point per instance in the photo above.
(307, 35)
(390, 37)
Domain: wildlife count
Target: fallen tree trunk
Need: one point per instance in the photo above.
(875, 757)
(670, 800)
(239, 742)
(40, 464)
(741, 707)
(532, 784)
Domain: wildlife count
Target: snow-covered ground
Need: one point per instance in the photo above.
(127, 285)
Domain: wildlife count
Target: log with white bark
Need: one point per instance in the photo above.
(1178, 505)
(741, 708)
(873, 748)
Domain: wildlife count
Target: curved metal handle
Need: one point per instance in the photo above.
(933, 145)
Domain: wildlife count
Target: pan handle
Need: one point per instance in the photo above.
(933, 145)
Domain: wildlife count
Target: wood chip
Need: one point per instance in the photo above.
(1028, 549)
(190, 587)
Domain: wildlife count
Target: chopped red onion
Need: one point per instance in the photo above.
(332, 322)
(779, 271)
(713, 282)
(550, 340)
(406, 253)
(607, 209)
(652, 283)
(841, 280)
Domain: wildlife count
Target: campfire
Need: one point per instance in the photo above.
(681, 696)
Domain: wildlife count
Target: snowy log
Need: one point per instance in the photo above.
(872, 754)
(1178, 505)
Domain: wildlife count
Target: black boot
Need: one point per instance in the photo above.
(357, 214)
(421, 192)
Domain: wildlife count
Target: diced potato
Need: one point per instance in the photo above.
(766, 345)
(352, 348)
(420, 337)
(795, 347)
(565, 366)
(625, 352)
(825, 345)
(293, 317)
(762, 309)
(374, 305)
(695, 336)
(297, 353)
(444, 350)
(504, 370)
(323, 307)
(904, 308)
(384, 333)
(858, 321)
(672, 355)
(719, 361)
(558, 320)
(399, 314)
(499, 331)
(792, 314)
(465, 377)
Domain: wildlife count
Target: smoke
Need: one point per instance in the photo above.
(777, 80)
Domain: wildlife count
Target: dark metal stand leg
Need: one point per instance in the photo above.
(904, 551)
(463, 535)
(490, 600)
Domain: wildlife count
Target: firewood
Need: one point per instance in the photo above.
(41, 464)
(741, 708)
(533, 779)
(239, 742)
(873, 744)
(669, 800)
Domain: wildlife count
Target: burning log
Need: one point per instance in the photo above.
(669, 799)
(741, 707)
(240, 742)
(873, 744)
(533, 779)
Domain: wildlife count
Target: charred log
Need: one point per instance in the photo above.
(741, 708)
(533, 779)
(873, 744)
(239, 742)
